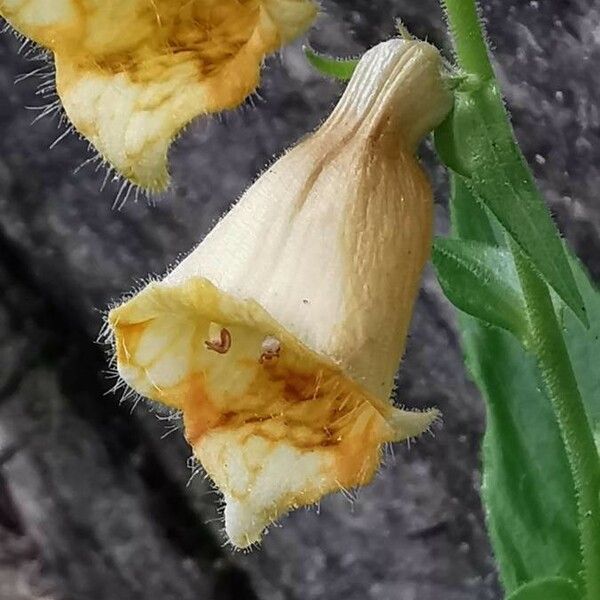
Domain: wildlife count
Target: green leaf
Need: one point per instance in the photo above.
(553, 588)
(527, 489)
(481, 280)
(477, 142)
(338, 68)
(583, 345)
(446, 143)
(527, 486)
(470, 219)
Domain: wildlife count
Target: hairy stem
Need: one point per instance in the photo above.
(469, 43)
(547, 344)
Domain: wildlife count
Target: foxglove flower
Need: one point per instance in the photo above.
(132, 73)
(279, 336)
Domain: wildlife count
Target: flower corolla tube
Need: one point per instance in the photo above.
(279, 336)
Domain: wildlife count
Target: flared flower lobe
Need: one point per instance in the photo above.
(131, 74)
(274, 429)
(279, 336)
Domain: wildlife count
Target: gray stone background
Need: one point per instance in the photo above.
(93, 503)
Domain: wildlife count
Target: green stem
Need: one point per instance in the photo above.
(469, 43)
(545, 339)
(547, 344)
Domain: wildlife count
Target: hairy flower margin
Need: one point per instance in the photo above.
(279, 336)
(131, 74)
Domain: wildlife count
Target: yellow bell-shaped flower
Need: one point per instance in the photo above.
(279, 336)
(132, 73)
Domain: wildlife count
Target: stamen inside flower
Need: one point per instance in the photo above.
(271, 347)
(220, 344)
